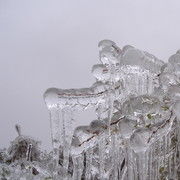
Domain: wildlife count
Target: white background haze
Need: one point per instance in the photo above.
(53, 43)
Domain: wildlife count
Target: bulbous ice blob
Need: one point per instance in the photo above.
(140, 104)
(174, 92)
(133, 57)
(164, 68)
(109, 55)
(100, 72)
(174, 60)
(145, 110)
(51, 98)
(109, 52)
(126, 127)
(139, 140)
(105, 43)
(167, 80)
(125, 48)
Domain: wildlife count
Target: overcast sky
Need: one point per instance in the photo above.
(53, 43)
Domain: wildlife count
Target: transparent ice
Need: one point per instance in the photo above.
(135, 136)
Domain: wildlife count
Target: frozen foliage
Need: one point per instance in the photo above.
(135, 136)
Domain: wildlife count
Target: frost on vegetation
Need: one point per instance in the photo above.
(135, 136)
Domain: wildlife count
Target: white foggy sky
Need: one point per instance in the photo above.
(53, 43)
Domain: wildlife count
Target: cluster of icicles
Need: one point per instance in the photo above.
(135, 136)
(137, 131)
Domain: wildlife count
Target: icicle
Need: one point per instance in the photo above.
(109, 56)
(150, 163)
(114, 154)
(176, 110)
(89, 156)
(101, 111)
(154, 162)
(139, 144)
(139, 84)
(78, 166)
(150, 85)
(67, 133)
(130, 162)
(147, 85)
(164, 149)
(110, 112)
(175, 154)
(142, 165)
(143, 84)
(55, 134)
(169, 155)
(102, 149)
(157, 162)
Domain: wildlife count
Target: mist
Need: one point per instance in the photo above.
(54, 44)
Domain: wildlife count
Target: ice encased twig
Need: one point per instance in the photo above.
(134, 96)
(135, 136)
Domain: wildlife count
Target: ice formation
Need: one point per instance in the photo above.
(135, 136)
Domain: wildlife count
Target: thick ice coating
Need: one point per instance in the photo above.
(136, 99)
(135, 136)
